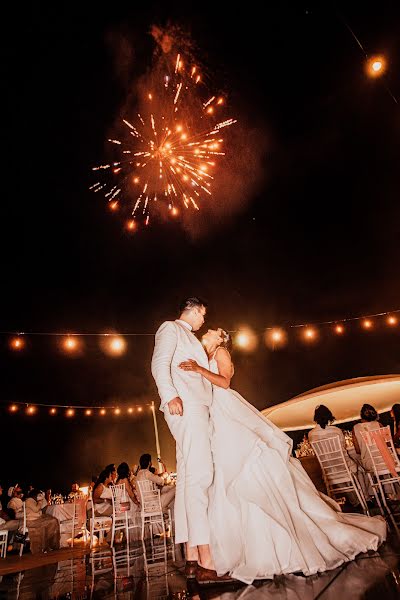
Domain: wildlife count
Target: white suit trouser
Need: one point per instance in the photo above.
(194, 473)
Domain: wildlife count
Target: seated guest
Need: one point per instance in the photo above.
(369, 422)
(395, 414)
(113, 470)
(6, 523)
(124, 477)
(44, 530)
(167, 491)
(16, 505)
(323, 430)
(102, 494)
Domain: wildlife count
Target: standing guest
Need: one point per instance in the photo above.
(369, 422)
(44, 530)
(16, 505)
(395, 414)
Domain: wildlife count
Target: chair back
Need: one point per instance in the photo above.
(150, 496)
(330, 455)
(381, 450)
(24, 529)
(3, 543)
(120, 500)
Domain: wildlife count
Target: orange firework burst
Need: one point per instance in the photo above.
(165, 158)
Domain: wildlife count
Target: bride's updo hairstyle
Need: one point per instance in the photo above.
(227, 341)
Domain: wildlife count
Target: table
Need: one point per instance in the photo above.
(65, 512)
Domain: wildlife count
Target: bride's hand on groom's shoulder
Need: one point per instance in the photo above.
(175, 406)
(190, 365)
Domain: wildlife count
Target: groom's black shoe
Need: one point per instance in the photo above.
(210, 577)
(190, 569)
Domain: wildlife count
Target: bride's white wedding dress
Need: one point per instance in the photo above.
(266, 516)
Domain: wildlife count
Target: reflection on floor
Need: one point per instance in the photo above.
(155, 572)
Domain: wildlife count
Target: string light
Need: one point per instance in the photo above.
(70, 343)
(72, 411)
(367, 324)
(245, 339)
(17, 343)
(376, 66)
(275, 337)
(310, 334)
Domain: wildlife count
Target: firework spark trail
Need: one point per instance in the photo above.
(167, 156)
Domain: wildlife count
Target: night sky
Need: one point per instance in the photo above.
(306, 230)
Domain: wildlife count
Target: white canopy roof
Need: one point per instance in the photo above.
(343, 398)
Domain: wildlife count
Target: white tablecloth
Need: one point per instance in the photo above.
(64, 512)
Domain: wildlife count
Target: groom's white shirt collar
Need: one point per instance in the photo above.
(185, 324)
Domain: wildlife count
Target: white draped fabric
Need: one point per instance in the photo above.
(266, 517)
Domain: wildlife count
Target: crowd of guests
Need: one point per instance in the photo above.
(44, 529)
(325, 429)
(101, 492)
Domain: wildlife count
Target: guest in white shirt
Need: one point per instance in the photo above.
(44, 530)
(167, 492)
(102, 494)
(369, 422)
(16, 503)
(324, 429)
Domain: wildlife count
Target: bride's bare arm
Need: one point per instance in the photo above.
(223, 379)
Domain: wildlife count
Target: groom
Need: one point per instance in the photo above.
(185, 400)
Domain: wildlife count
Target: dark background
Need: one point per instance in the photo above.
(312, 236)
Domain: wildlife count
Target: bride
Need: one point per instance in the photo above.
(266, 516)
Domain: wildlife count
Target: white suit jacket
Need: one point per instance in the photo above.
(174, 343)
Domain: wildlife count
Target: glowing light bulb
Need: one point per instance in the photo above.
(375, 66)
(367, 324)
(17, 343)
